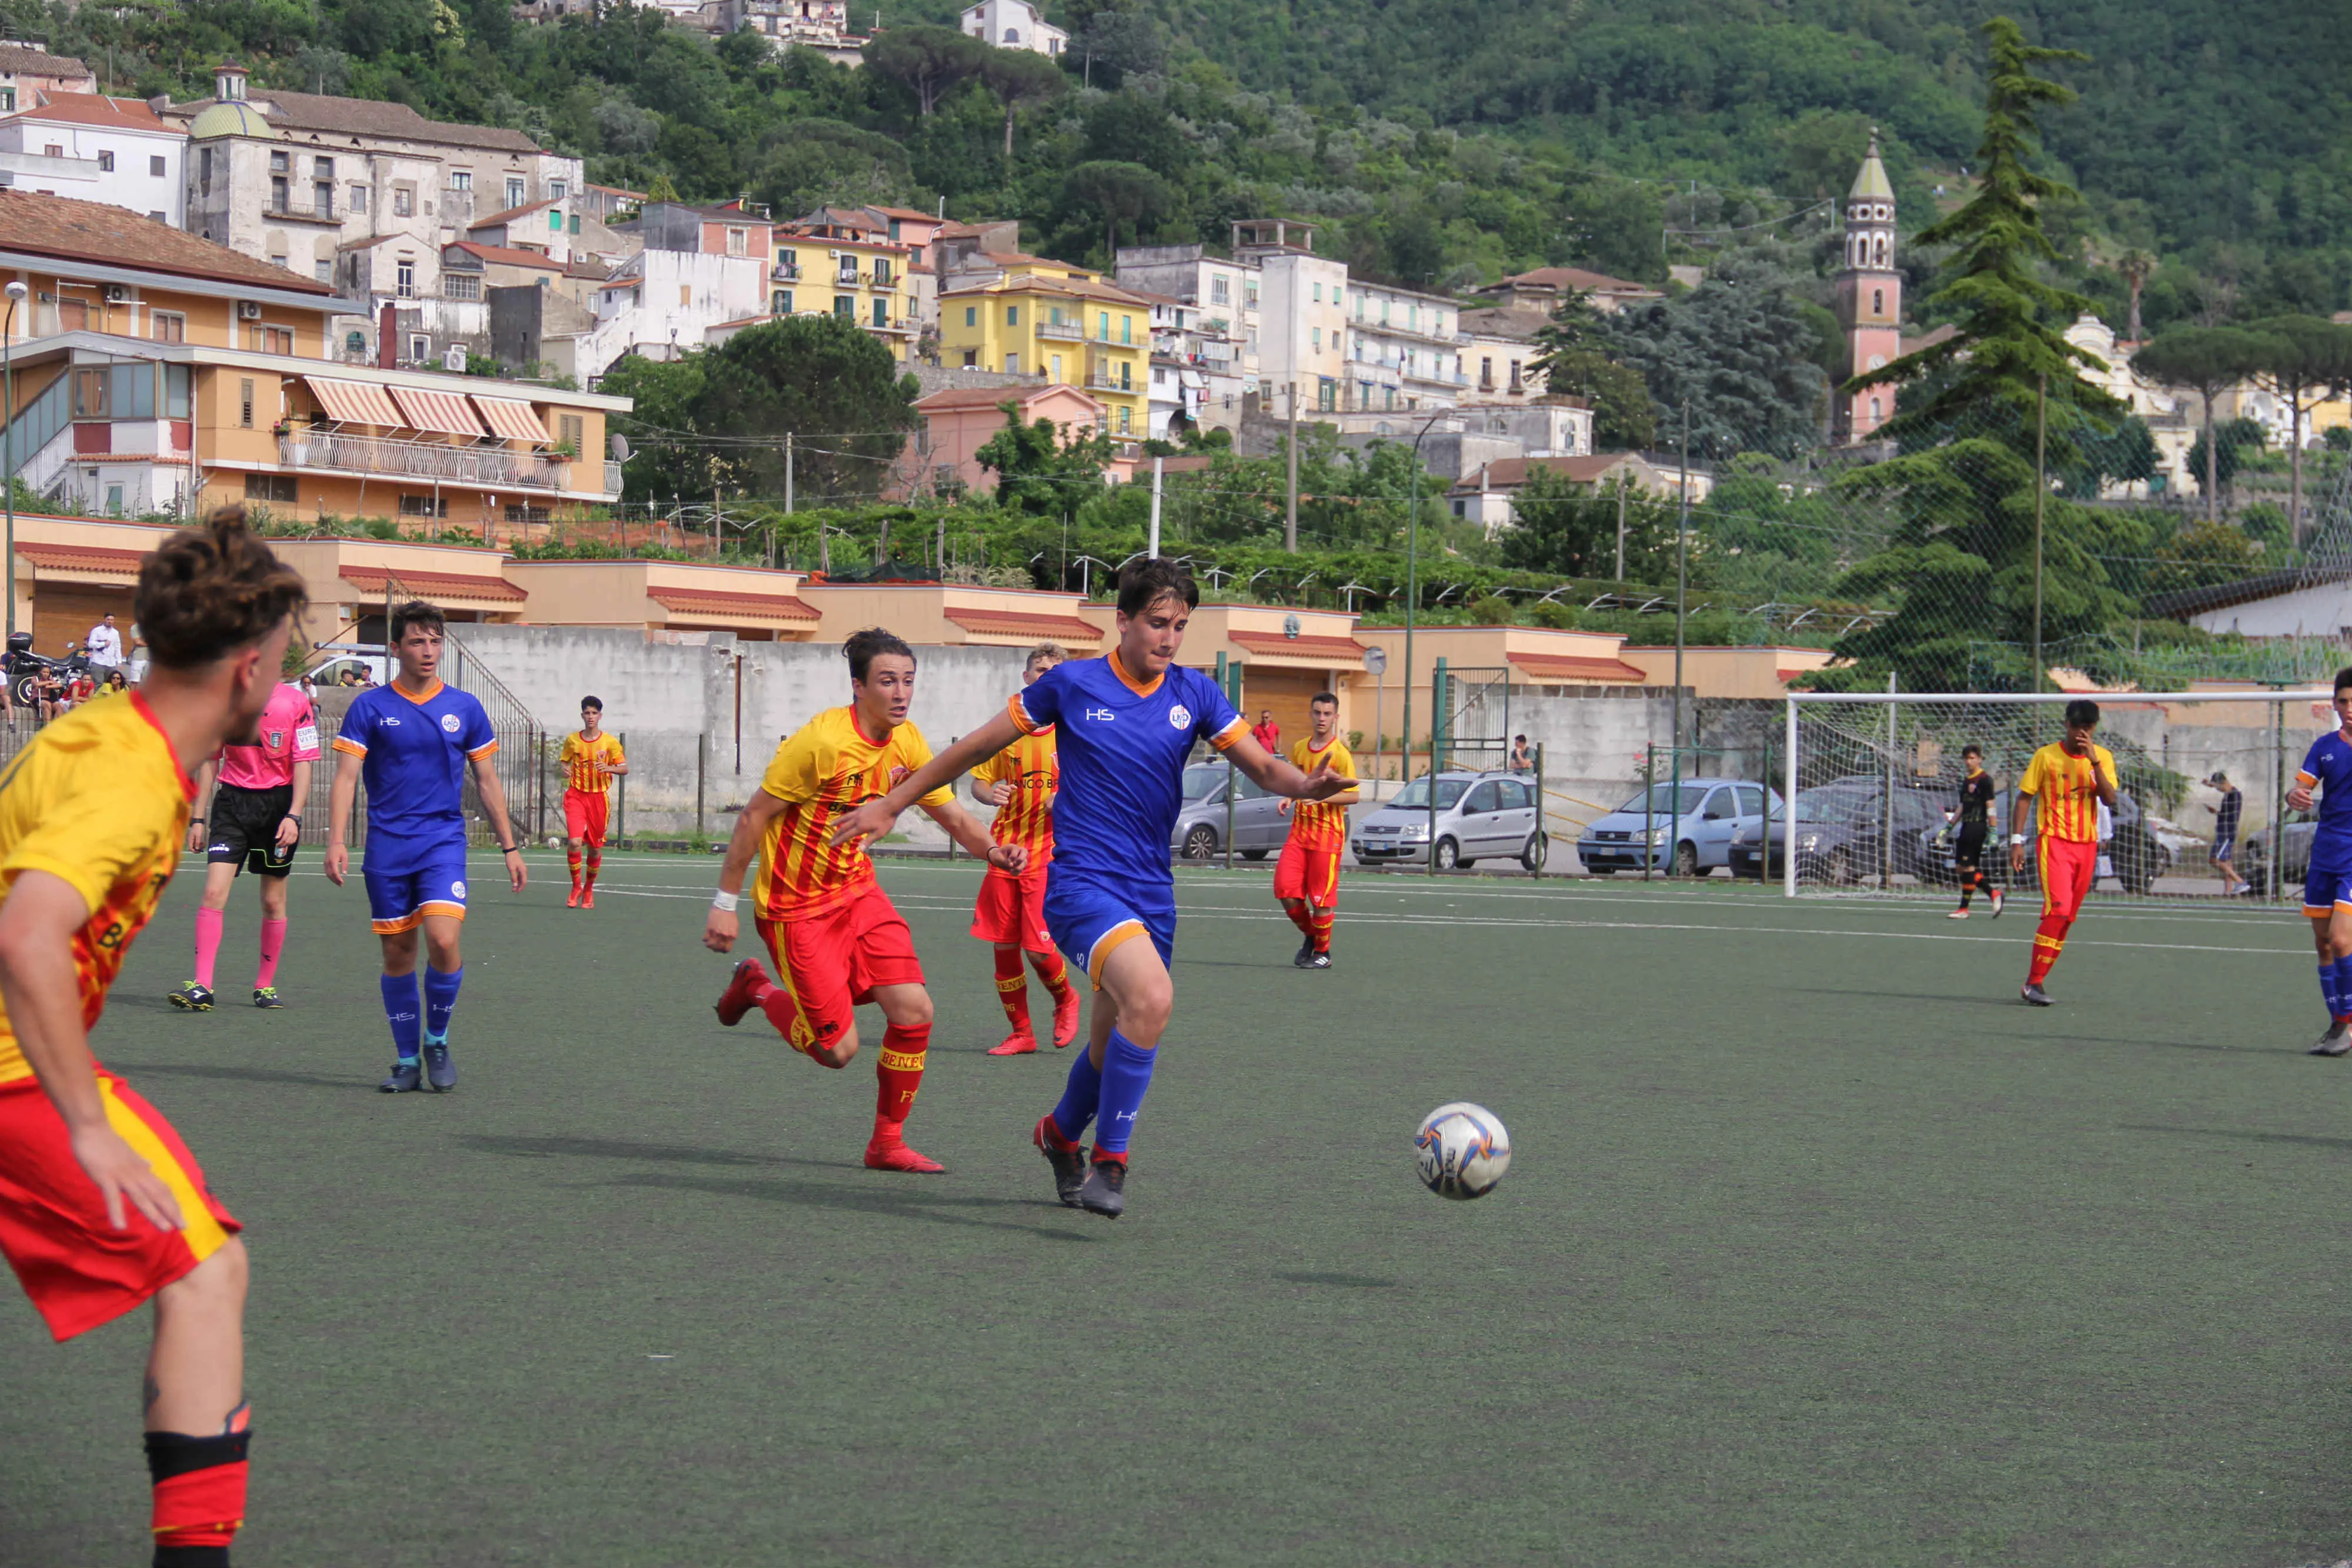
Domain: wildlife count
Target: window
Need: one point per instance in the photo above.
(1249, 296)
(558, 189)
(420, 348)
(1013, 315)
(404, 201)
(1217, 289)
(1485, 373)
(572, 431)
(971, 314)
(359, 198)
(1874, 411)
(780, 302)
(425, 506)
(1102, 331)
(461, 179)
(204, 167)
(1056, 375)
(1013, 364)
(273, 340)
(8, 100)
(1878, 302)
(881, 312)
(323, 168)
(106, 162)
(278, 163)
(322, 197)
(555, 222)
(156, 217)
(89, 393)
(460, 285)
(971, 359)
(155, 167)
(1318, 294)
(115, 499)
(1413, 317)
(1126, 328)
(324, 269)
(405, 270)
(277, 250)
(278, 487)
(1125, 377)
(1482, 799)
(175, 391)
(686, 294)
(1515, 375)
(739, 242)
(1123, 425)
(1318, 340)
(354, 345)
(277, 193)
(245, 402)
(881, 272)
(515, 196)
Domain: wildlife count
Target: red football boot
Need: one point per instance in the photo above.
(888, 1152)
(1066, 1018)
(1021, 1043)
(574, 902)
(743, 992)
(588, 897)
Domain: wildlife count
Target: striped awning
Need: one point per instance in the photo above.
(511, 418)
(447, 413)
(354, 402)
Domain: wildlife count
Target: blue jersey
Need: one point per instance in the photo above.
(2328, 769)
(1122, 749)
(415, 751)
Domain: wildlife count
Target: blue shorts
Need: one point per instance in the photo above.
(411, 882)
(2325, 888)
(2225, 847)
(1087, 919)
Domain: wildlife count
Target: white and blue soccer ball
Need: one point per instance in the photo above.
(1462, 1150)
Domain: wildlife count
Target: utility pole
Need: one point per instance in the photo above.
(2040, 494)
(1154, 550)
(1682, 588)
(1290, 510)
(1620, 528)
(788, 473)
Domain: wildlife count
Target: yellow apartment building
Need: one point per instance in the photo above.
(153, 371)
(839, 268)
(1060, 323)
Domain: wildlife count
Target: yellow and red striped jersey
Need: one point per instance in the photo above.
(1034, 769)
(99, 800)
(828, 766)
(584, 760)
(1317, 823)
(2066, 791)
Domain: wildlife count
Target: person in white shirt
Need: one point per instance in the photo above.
(104, 645)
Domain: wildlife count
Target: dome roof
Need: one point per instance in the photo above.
(226, 119)
(1870, 186)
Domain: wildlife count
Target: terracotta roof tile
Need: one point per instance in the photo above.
(747, 606)
(507, 256)
(369, 116)
(440, 584)
(1326, 650)
(17, 60)
(92, 108)
(1577, 277)
(1018, 623)
(1548, 670)
(82, 558)
(96, 233)
(495, 219)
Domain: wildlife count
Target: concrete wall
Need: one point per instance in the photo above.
(674, 693)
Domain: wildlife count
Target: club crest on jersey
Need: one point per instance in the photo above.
(898, 775)
(449, 722)
(1179, 715)
(456, 889)
(276, 738)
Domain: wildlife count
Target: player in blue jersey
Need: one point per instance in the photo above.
(2327, 887)
(1125, 725)
(411, 742)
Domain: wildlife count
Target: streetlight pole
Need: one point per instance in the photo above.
(16, 292)
(1413, 603)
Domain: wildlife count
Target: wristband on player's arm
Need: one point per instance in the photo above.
(725, 901)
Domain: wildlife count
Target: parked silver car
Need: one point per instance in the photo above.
(1258, 825)
(1479, 816)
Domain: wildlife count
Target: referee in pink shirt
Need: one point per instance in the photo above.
(256, 814)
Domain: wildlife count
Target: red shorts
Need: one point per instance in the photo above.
(1310, 872)
(832, 962)
(584, 816)
(1012, 909)
(80, 1270)
(2068, 869)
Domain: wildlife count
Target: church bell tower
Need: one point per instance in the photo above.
(1869, 297)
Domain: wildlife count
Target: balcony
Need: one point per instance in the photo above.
(1102, 380)
(1072, 331)
(785, 272)
(491, 467)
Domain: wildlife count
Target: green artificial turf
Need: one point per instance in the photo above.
(1818, 1249)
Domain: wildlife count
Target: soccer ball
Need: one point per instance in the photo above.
(1463, 1150)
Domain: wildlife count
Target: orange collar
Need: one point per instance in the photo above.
(1128, 681)
(420, 702)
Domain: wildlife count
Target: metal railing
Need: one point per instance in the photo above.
(1074, 331)
(489, 465)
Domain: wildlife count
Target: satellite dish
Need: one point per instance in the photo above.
(620, 445)
(1376, 661)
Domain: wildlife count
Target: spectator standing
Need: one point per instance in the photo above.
(104, 645)
(2224, 855)
(1267, 733)
(1523, 761)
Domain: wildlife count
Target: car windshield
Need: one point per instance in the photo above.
(1200, 783)
(1660, 798)
(1835, 806)
(1417, 793)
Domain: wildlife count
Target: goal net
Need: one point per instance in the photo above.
(1875, 773)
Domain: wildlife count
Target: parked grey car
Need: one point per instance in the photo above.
(1692, 832)
(1258, 825)
(1480, 816)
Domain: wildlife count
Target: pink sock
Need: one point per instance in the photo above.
(208, 938)
(273, 942)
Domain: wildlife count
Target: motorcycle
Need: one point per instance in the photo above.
(27, 669)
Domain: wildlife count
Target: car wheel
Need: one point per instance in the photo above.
(1201, 843)
(1841, 867)
(1448, 855)
(1538, 850)
(1686, 859)
(1254, 854)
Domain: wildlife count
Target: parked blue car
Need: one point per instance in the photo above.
(1690, 833)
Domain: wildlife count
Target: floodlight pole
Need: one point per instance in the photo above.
(16, 292)
(1682, 597)
(2041, 495)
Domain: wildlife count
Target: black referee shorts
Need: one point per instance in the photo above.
(244, 829)
(1966, 853)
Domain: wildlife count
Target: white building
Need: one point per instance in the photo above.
(1404, 350)
(1208, 328)
(1302, 342)
(661, 304)
(94, 149)
(819, 25)
(1013, 25)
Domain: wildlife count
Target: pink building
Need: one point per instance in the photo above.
(958, 421)
(1869, 297)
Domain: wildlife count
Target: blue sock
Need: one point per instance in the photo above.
(440, 1001)
(2343, 988)
(1127, 1075)
(1080, 1095)
(400, 1012)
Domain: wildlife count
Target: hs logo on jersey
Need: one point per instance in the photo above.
(1103, 714)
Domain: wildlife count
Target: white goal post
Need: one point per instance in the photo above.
(1871, 775)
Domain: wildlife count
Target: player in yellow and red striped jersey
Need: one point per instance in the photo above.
(1021, 781)
(591, 760)
(102, 1207)
(1307, 877)
(2070, 780)
(836, 938)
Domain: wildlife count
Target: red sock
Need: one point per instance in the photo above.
(2049, 941)
(1053, 971)
(209, 941)
(595, 864)
(1296, 910)
(1013, 988)
(273, 943)
(897, 1073)
(784, 1012)
(199, 1488)
(1319, 928)
(571, 859)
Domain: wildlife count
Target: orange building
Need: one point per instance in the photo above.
(152, 370)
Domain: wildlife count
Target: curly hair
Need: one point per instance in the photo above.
(862, 648)
(208, 591)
